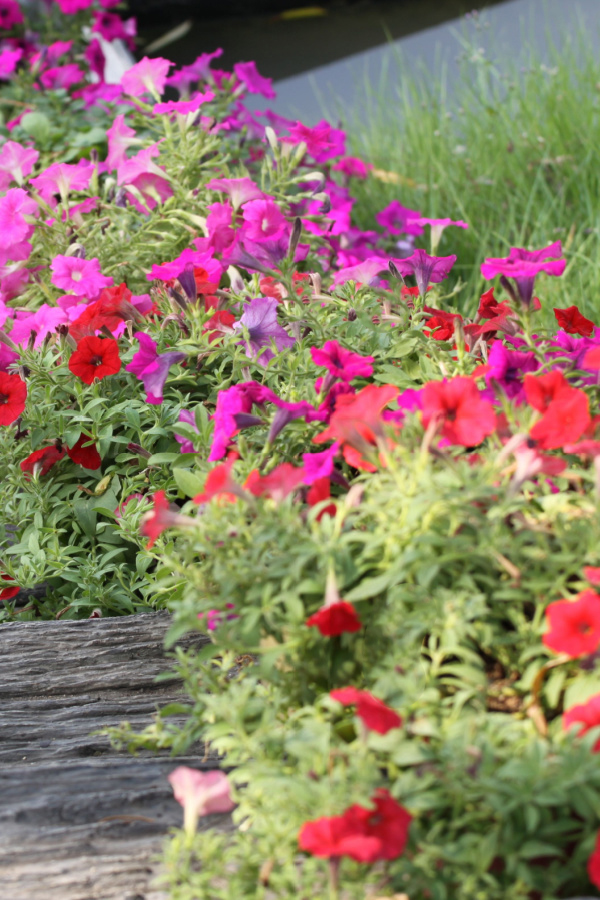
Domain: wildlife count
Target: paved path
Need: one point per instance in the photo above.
(79, 821)
(514, 28)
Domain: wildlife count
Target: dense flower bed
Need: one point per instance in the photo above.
(219, 395)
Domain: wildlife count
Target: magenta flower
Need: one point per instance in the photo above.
(62, 77)
(253, 81)
(353, 167)
(395, 218)
(41, 323)
(79, 276)
(200, 793)
(199, 70)
(523, 266)
(239, 190)
(146, 77)
(196, 258)
(16, 161)
(62, 178)
(14, 206)
(10, 14)
(70, 7)
(234, 401)
(508, 368)
(426, 269)
(364, 272)
(7, 357)
(151, 367)
(260, 322)
(188, 417)
(438, 226)
(150, 180)
(287, 412)
(112, 28)
(120, 138)
(95, 58)
(183, 107)
(263, 219)
(317, 139)
(9, 60)
(342, 363)
(319, 465)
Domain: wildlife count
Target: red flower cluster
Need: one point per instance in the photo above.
(95, 357)
(585, 714)
(356, 423)
(365, 835)
(42, 460)
(375, 715)
(111, 308)
(574, 625)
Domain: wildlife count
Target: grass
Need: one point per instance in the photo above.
(514, 152)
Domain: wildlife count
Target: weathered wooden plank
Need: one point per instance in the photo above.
(79, 821)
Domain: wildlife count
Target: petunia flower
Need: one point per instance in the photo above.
(352, 167)
(319, 465)
(564, 421)
(79, 276)
(262, 219)
(231, 402)
(260, 321)
(13, 394)
(426, 269)
(9, 60)
(183, 107)
(161, 517)
(63, 77)
(253, 81)
(200, 794)
(148, 76)
(188, 417)
(374, 713)
(151, 367)
(592, 574)
(95, 357)
(572, 321)
(365, 835)
(524, 265)
(10, 14)
(14, 206)
(42, 460)
(574, 625)
(508, 368)
(43, 322)
(341, 363)
(120, 138)
(396, 219)
(7, 593)
(86, 456)
(585, 714)
(196, 258)
(16, 161)
(199, 70)
(239, 190)
(62, 178)
(281, 481)
(139, 175)
(593, 864)
(219, 483)
(463, 416)
(363, 272)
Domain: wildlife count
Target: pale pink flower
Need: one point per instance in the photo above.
(140, 173)
(200, 794)
(119, 140)
(17, 161)
(239, 190)
(263, 219)
(146, 77)
(61, 178)
(79, 276)
(197, 258)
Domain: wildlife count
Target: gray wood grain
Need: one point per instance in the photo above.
(78, 820)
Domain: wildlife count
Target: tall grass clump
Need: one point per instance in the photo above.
(512, 149)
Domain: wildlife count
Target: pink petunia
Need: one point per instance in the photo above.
(9, 60)
(146, 77)
(200, 794)
(120, 138)
(253, 81)
(14, 206)
(62, 178)
(79, 276)
(262, 219)
(239, 190)
(183, 107)
(16, 161)
(62, 77)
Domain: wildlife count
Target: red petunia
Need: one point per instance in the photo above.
(587, 715)
(111, 308)
(335, 619)
(564, 421)
(593, 866)
(373, 712)
(284, 479)
(320, 490)
(8, 592)
(571, 321)
(464, 417)
(365, 835)
(218, 324)
(592, 574)
(95, 357)
(574, 625)
(219, 483)
(13, 393)
(42, 459)
(541, 390)
(88, 457)
(159, 518)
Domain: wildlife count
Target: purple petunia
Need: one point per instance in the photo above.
(151, 367)
(523, 266)
(426, 269)
(260, 322)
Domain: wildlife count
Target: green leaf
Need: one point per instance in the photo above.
(188, 483)
(37, 125)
